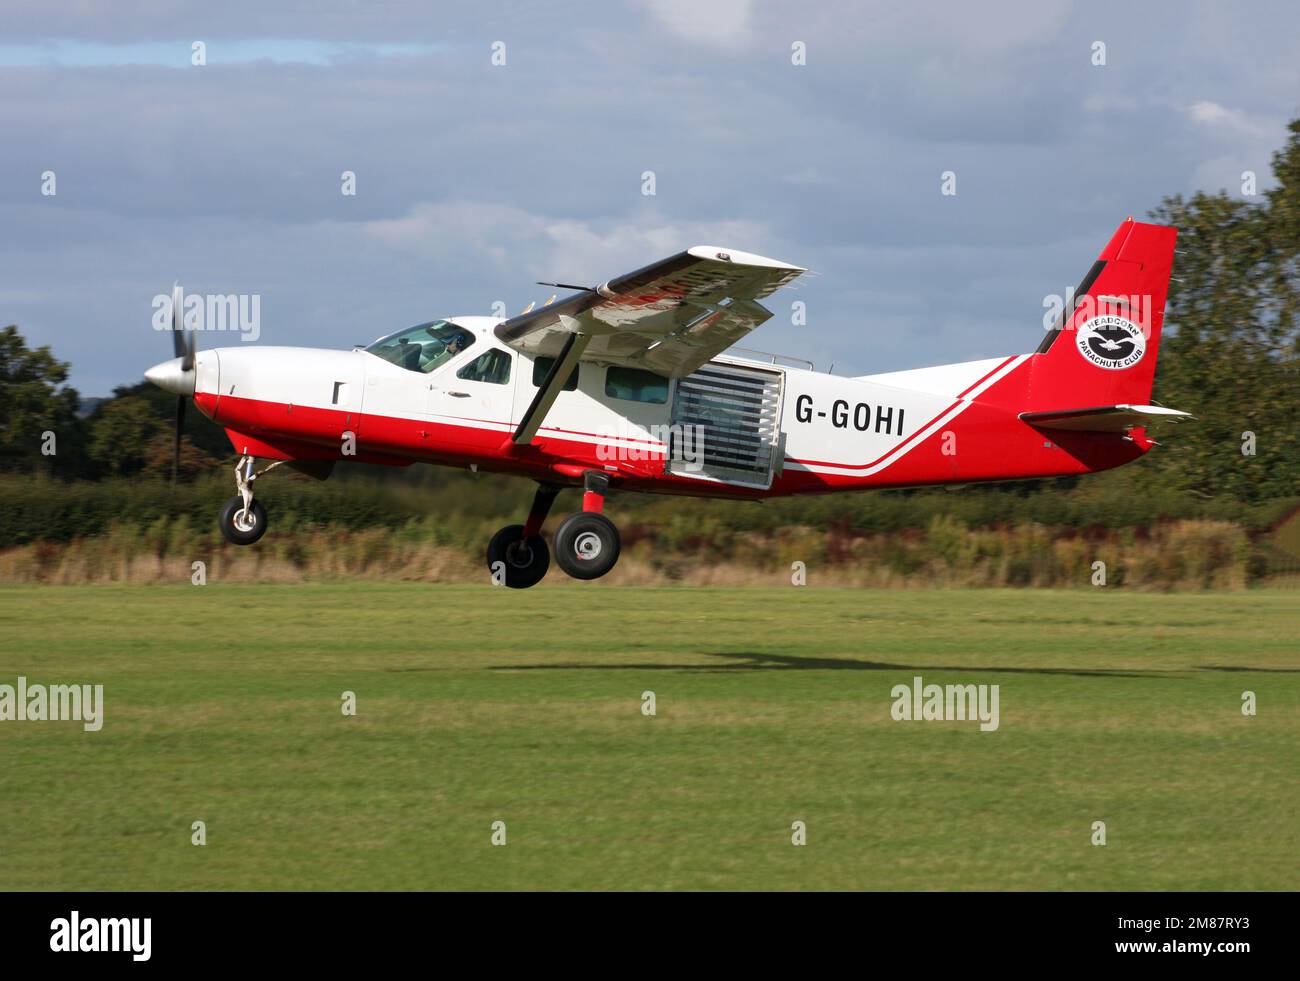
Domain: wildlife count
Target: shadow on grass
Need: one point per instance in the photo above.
(1233, 667)
(756, 661)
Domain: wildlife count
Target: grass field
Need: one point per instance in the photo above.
(478, 705)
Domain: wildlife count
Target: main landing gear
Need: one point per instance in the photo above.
(586, 543)
(243, 519)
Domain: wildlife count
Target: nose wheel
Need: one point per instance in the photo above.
(243, 519)
(241, 524)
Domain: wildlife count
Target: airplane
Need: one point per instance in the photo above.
(634, 385)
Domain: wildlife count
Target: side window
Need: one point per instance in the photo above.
(492, 367)
(542, 367)
(635, 385)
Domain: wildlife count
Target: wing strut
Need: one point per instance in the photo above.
(553, 384)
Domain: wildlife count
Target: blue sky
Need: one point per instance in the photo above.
(475, 179)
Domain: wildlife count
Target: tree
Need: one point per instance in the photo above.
(159, 457)
(1229, 356)
(199, 430)
(121, 434)
(34, 402)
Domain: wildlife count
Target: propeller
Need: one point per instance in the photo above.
(177, 375)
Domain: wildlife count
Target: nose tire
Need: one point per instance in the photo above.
(586, 545)
(238, 527)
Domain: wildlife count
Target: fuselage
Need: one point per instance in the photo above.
(737, 427)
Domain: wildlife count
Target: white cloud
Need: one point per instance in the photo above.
(720, 23)
(838, 25)
(552, 248)
(1233, 121)
(1248, 139)
(448, 229)
(607, 250)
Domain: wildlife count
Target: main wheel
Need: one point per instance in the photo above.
(240, 526)
(523, 560)
(586, 545)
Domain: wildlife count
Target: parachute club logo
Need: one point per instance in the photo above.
(1111, 342)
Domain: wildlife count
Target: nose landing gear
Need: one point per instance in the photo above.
(586, 544)
(243, 519)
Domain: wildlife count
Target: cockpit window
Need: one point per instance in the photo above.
(423, 348)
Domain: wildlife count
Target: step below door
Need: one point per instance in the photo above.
(725, 420)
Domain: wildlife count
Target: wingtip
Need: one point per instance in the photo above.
(739, 257)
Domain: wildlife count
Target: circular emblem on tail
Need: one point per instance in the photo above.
(1111, 342)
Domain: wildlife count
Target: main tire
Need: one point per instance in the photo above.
(240, 527)
(586, 545)
(523, 560)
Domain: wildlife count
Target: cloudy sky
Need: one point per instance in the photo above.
(473, 179)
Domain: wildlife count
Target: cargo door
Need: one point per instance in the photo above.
(725, 424)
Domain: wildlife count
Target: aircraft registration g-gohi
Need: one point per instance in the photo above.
(629, 386)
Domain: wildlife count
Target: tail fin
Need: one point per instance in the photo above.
(1103, 350)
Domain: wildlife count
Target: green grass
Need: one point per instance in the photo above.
(477, 705)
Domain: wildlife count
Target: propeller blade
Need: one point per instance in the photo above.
(180, 425)
(184, 342)
(178, 338)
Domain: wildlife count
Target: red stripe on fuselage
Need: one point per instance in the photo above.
(917, 432)
(883, 456)
(962, 394)
(994, 445)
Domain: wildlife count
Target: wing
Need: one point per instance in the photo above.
(669, 317)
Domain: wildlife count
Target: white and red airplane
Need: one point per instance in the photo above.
(628, 385)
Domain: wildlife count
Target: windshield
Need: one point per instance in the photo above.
(423, 348)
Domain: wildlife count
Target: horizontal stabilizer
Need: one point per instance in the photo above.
(1104, 418)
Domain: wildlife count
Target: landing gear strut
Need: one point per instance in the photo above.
(586, 543)
(243, 519)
